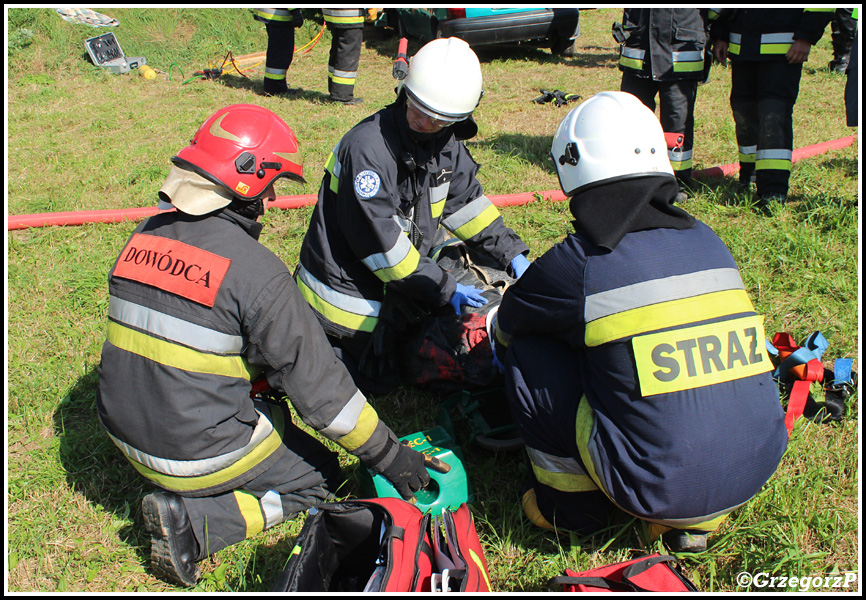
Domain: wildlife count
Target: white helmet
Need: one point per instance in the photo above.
(444, 79)
(610, 135)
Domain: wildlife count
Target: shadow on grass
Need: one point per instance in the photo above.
(95, 467)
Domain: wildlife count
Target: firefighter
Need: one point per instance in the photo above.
(662, 54)
(634, 360)
(280, 24)
(198, 311)
(347, 34)
(767, 48)
(389, 185)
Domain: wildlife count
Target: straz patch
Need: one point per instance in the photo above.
(695, 357)
(173, 266)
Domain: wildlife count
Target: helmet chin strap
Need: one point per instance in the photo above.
(248, 209)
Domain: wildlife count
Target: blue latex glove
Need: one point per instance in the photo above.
(519, 264)
(466, 294)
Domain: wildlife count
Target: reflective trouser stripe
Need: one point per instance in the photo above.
(179, 357)
(278, 74)
(472, 218)
(774, 159)
(747, 154)
(561, 473)
(273, 14)
(342, 77)
(272, 508)
(248, 504)
(357, 314)
(680, 160)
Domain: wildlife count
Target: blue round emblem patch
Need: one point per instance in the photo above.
(367, 184)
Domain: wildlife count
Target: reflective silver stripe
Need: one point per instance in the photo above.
(680, 155)
(467, 213)
(689, 56)
(635, 53)
(347, 420)
(272, 71)
(195, 468)
(555, 464)
(777, 38)
(172, 328)
(352, 304)
(391, 258)
(343, 74)
(439, 193)
(774, 155)
(272, 508)
(735, 38)
(748, 149)
(346, 12)
(656, 291)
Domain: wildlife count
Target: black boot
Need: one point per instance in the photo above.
(173, 549)
(684, 540)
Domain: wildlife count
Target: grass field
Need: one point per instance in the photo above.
(80, 138)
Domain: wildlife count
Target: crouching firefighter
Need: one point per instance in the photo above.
(635, 363)
(198, 310)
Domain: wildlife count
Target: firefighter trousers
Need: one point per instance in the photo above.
(676, 114)
(543, 386)
(278, 59)
(763, 94)
(343, 62)
(308, 474)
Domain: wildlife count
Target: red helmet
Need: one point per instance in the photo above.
(244, 148)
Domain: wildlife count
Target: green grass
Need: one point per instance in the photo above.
(80, 138)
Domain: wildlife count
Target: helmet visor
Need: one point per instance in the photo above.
(435, 117)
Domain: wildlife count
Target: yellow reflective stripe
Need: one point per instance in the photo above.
(819, 10)
(564, 482)
(667, 314)
(367, 422)
(631, 63)
(335, 176)
(179, 357)
(688, 67)
(295, 550)
(477, 224)
(343, 80)
(770, 163)
(189, 484)
(584, 422)
(337, 315)
(734, 49)
(405, 267)
(273, 14)
(775, 48)
(251, 512)
(480, 566)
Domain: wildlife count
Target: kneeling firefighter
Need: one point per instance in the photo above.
(198, 311)
(634, 360)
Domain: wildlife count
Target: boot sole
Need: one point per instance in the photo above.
(161, 559)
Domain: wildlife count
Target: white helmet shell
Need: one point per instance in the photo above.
(610, 135)
(445, 79)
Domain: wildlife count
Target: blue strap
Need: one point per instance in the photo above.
(813, 349)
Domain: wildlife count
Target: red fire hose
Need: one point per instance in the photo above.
(290, 202)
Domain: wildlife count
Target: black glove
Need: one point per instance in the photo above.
(407, 472)
(297, 18)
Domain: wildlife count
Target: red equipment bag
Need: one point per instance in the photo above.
(652, 573)
(384, 545)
